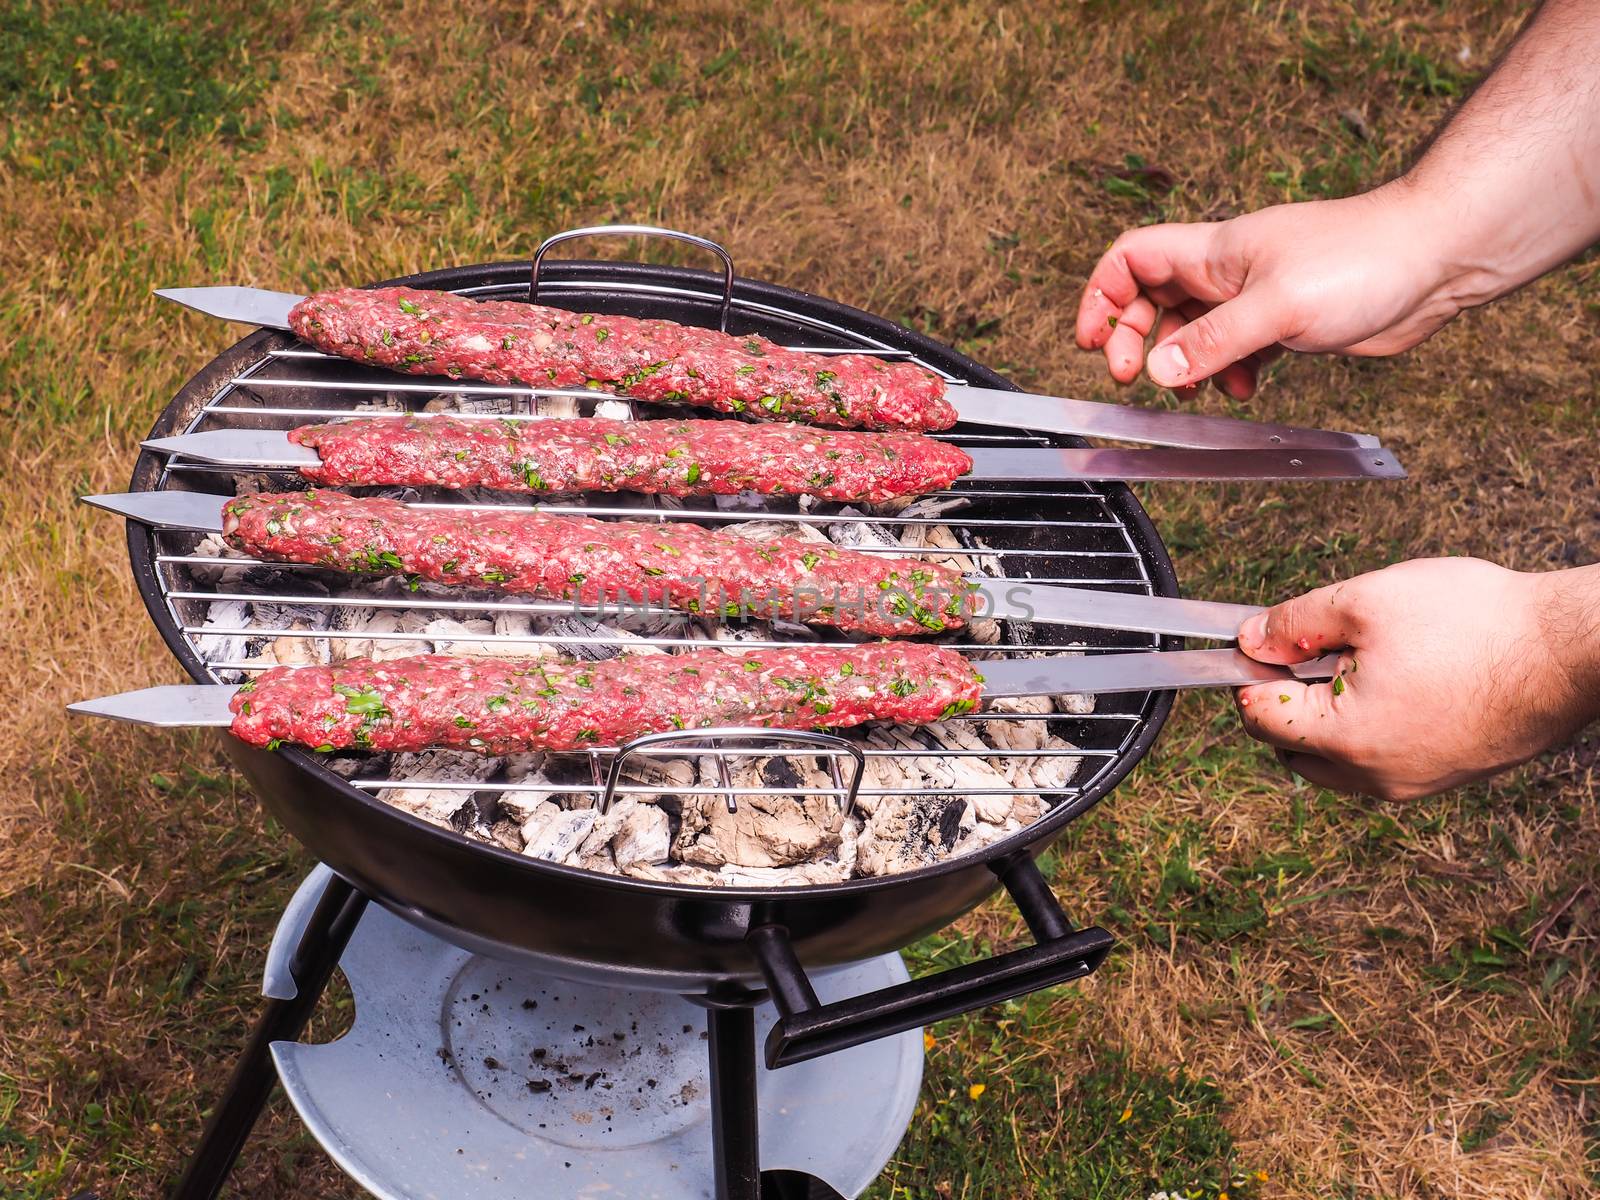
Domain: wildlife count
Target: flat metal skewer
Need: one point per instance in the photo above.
(262, 449)
(1017, 600)
(981, 406)
(1142, 671)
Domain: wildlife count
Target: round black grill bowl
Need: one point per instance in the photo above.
(583, 924)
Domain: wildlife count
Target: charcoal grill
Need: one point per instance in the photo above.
(727, 947)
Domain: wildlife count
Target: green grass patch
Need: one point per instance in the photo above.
(998, 1118)
(91, 85)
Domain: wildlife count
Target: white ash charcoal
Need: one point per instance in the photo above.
(444, 807)
(455, 765)
(862, 534)
(452, 635)
(599, 858)
(1013, 806)
(799, 875)
(506, 832)
(846, 852)
(923, 507)
(766, 531)
(634, 833)
(940, 537)
(557, 407)
(213, 645)
(487, 404)
(381, 621)
(743, 502)
(614, 410)
(657, 771)
(518, 625)
(1076, 703)
(675, 873)
(380, 404)
(733, 632)
(582, 639)
(981, 835)
(563, 775)
(765, 830)
(294, 651)
(212, 546)
(1054, 772)
(644, 837)
(1018, 736)
(516, 807)
(554, 833)
(520, 767)
(931, 769)
(352, 765)
(907, 832)
(276, 614)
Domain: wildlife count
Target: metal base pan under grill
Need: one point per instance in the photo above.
(463, 1076)
(583, 924)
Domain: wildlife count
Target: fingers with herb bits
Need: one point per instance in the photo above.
(1451, 670)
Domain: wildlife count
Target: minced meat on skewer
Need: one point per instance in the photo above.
(502, 706)
(502, 341)
(669, 458)
(673, 564)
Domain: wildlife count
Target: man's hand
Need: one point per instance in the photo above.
(1452, 669)
(1509, 188)
(1363, 275)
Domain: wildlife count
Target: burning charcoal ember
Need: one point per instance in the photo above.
(554, 833)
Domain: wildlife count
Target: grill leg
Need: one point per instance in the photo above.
(734, 1147)
(324, 940)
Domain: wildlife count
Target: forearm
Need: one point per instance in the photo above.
(1510, 187)
(1569, 617)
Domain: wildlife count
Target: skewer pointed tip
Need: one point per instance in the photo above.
(165, 510)
(247, 305)
(167, 706)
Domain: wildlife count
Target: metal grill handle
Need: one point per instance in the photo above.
(807, 1028)
(638, 231)
(828, 744)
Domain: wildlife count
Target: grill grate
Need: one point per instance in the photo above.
(1003, 531)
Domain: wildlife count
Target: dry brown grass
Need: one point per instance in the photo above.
(943, 165)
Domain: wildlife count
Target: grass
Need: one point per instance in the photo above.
(1314, 997)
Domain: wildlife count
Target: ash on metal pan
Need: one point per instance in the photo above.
(926, 793)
